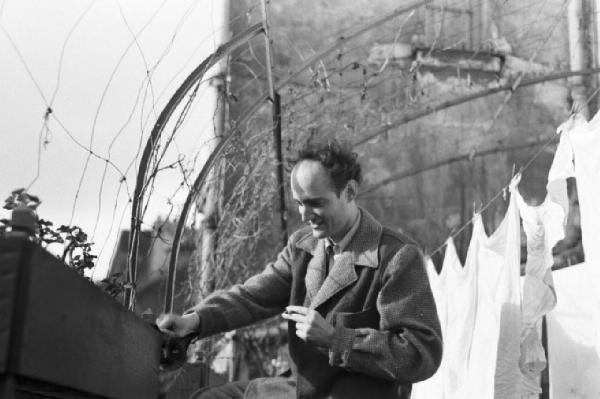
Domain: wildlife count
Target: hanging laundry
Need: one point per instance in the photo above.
(543, 227)
(578, 155)
(439, 286)
(506, 243)
(461, 305)
(479, 308)
(433, 387)
(493, 370)
(454, 291)
(574, 365)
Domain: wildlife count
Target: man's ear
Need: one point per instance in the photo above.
(351, 190)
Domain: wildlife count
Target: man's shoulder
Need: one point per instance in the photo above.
(397, 237)
(394, 241)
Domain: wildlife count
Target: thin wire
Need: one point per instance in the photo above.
(22, 59)
(49, 110)
(39, 154)
(139, 47)
(125, 209)
(495, 117)
(135, 41)
(201, 45)
(521, 170)
(497, 195)
(94, 154)
(165, 52)
(64, 47)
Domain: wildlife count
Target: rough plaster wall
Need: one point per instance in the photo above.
(432, 203)
(528, 24)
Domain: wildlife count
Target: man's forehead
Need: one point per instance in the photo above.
(310, 175)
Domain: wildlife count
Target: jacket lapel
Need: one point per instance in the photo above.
(341, 275)
(315, 271)
(362, 250)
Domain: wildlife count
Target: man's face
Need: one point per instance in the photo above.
(328, 214)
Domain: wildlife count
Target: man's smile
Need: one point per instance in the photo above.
(316, 225)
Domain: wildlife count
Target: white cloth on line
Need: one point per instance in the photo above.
(433, 387)
(461, 285)
(543, 227)
(482, 302)
(574, 365)
(494, 355)
(578, 155)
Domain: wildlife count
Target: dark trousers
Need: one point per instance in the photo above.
(232, 390)
(260, 388)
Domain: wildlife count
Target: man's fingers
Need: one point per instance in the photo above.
(178, 325)
(301, 334)
(298, 318)
(297, 309)
(165, 322)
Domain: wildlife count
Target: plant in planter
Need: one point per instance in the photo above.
(60, 336)
(77, 250)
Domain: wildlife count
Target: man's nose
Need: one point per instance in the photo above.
(306, 214)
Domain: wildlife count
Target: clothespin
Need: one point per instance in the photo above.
(512, 176)
(515, 182)
(574, 109)
(575, 119)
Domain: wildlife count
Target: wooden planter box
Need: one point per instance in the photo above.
(62, 337)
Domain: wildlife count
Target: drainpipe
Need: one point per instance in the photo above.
(484, 15)
(212, 201)
(577, 56)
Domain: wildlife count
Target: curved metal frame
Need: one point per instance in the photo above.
(246, 116)
(250, 111)
(508, 87)
(153, 140)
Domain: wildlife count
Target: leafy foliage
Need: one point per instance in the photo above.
(77, 250)
(114, 285)
(20, 197)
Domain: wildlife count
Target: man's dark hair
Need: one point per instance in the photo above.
(339, 160)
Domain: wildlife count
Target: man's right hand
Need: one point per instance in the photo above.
(175, 328)
(177, 325)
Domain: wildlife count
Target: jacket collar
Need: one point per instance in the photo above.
(362, 250)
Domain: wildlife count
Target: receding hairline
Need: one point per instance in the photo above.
(318, 164)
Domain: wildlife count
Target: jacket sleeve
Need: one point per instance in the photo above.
(408, 345)
(261, 296)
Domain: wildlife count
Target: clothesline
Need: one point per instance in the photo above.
(575, 108)
(500, 192)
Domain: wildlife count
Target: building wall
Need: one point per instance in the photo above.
(351, 92)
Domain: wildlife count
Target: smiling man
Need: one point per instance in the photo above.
(325, 201)
(361, 316)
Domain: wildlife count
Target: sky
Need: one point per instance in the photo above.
(105, 69)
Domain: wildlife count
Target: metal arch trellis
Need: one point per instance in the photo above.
(508, 87)
(262, 100)
(251, 110)
(409, 117)
(163, 118)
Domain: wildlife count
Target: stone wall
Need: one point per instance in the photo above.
(352, 92)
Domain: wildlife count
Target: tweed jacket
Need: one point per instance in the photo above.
(377, 297)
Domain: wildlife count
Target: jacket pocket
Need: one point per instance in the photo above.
(366, 318)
